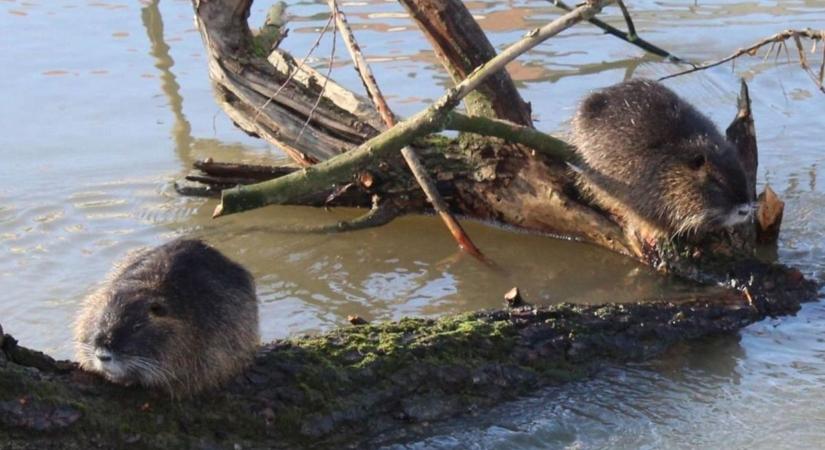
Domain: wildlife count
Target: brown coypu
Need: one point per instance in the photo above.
(181, 317)
(651, 157)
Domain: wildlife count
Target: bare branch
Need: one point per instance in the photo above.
(381, 213)
(297, 69)
(778, 40)
(326, 78)
(361, 65)
(541, 142)
(631, 29)
(631, 37)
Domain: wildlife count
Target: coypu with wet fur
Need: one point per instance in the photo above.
(649, 156)
(181, 317)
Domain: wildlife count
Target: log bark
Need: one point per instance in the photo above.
(461, 46)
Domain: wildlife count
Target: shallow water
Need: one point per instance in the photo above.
(107, 103)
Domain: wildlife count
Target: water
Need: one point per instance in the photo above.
(107, 103)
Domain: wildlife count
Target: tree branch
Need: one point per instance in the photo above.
(778, 38)
(630, 37)
(541, 142)
(408, 153)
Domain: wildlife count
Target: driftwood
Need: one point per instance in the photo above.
(370, 384)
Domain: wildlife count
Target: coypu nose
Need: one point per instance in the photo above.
(103, 355)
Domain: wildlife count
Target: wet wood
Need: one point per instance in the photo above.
(248, 171)
(246, 85)
(461, 46)
(742, 133)
(513, 298)
(769, 217)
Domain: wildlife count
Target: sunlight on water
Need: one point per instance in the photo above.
(107, 103)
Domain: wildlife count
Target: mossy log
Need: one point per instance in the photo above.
(366, 385)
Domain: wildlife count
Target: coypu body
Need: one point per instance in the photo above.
(649, 156)
(181, 317)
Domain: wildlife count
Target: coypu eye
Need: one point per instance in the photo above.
(697, 162)
(156, 309)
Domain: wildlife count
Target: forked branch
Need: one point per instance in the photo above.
(630, 37)
(778, 41)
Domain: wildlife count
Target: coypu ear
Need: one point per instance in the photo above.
(594, 105)
(158, 310)
(698, 161)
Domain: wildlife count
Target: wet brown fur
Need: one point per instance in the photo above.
(181, 317)
(650, 157)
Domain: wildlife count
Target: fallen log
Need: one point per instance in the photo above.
(371, 384)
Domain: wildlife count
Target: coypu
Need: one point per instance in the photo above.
(651, 157)
(181, 317)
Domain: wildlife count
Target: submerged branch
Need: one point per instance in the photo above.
(381, 213)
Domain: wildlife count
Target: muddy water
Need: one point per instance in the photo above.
(105, 104)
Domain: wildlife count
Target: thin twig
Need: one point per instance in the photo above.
(294, 72)
(361, 65)
(326, 78)
(778, 40)
(408, 153)
(635, 39)
(631, 29)
(822, 67)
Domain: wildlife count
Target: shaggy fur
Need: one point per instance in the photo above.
(651, 157)
(181, 317)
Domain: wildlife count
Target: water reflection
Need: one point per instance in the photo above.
(181, 130)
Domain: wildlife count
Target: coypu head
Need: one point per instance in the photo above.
(703, 188)
(646, 151)
(181, 317)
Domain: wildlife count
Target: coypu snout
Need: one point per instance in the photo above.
(181, 317)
